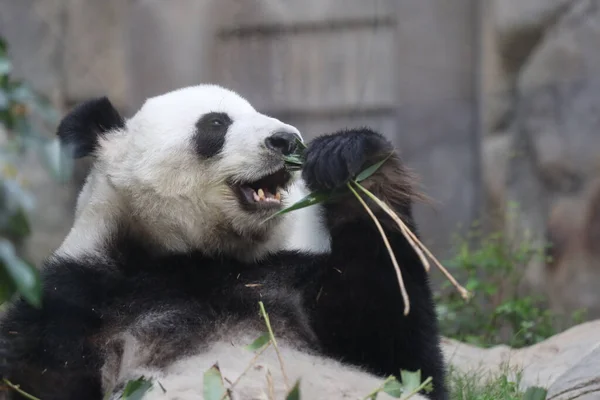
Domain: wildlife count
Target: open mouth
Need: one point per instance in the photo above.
(264, 193)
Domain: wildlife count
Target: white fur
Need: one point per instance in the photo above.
(149, 176)
(305, 228)
(320, 378)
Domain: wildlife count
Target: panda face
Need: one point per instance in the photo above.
(204, 137)
(197, 168)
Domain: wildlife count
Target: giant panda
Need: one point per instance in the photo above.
(172, 249)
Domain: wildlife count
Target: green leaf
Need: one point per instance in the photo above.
(58, 159)
(410, 380)
(7, 286)
(300, 144)
(293, 159)
(136, 389)
(393, 388)
(214, 389)
(4, 100)
(310, 200)
(17, 225)
(5, 66)
(535, 393)
(294, 394)
(367, 172)
(24, 276)
(259, 343)
(15, 196)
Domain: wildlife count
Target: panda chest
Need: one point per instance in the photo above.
(228, 289)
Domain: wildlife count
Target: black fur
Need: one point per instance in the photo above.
(81, 128)
(210, 134)
(282, 142)
(346, 305)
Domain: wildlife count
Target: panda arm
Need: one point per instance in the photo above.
(49, 351)
(358, 316)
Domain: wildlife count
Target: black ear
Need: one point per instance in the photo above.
(81, 128)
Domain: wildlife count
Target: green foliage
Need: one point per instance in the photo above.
(493, 269)
(410, 384)
(483, 387)
(371, 170)
(214, 388)
(535, 393)
(294, 393)
(136, 389)
(24, 116)
(260, 342)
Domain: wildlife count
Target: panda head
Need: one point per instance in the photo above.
(194, 169)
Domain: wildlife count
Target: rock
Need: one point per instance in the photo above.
(495, 156)
(556, 155)
(568, 51)
(577, 382)
(573, 273)
(566, 364)
(521, 24)
(519, 15)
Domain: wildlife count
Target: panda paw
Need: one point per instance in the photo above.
(333, 160)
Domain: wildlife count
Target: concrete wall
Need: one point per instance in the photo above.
(403, 67)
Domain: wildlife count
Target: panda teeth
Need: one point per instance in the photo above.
(263, 195)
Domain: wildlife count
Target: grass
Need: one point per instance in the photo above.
(499, 313)
(482, 386)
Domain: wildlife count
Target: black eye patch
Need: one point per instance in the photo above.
(210, 133)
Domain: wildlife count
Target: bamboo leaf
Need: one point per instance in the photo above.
(294, 394)
(214, 389)
(259, 343)
(25, 277)
(310, 200)
(367, 172)
(393, 388)
(293, 159)
(410, 380)
(301, 144)
(136, 389)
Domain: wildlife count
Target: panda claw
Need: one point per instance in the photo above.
(332, 160)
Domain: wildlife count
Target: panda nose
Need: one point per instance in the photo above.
(282, 142)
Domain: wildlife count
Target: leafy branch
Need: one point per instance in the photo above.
(411, 385)
(18, 133)
(274, 342)
(18, 389)
(295, 161)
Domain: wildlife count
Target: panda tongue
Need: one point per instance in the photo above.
(248, 193)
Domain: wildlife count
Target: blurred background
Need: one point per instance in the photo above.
(495, 104)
